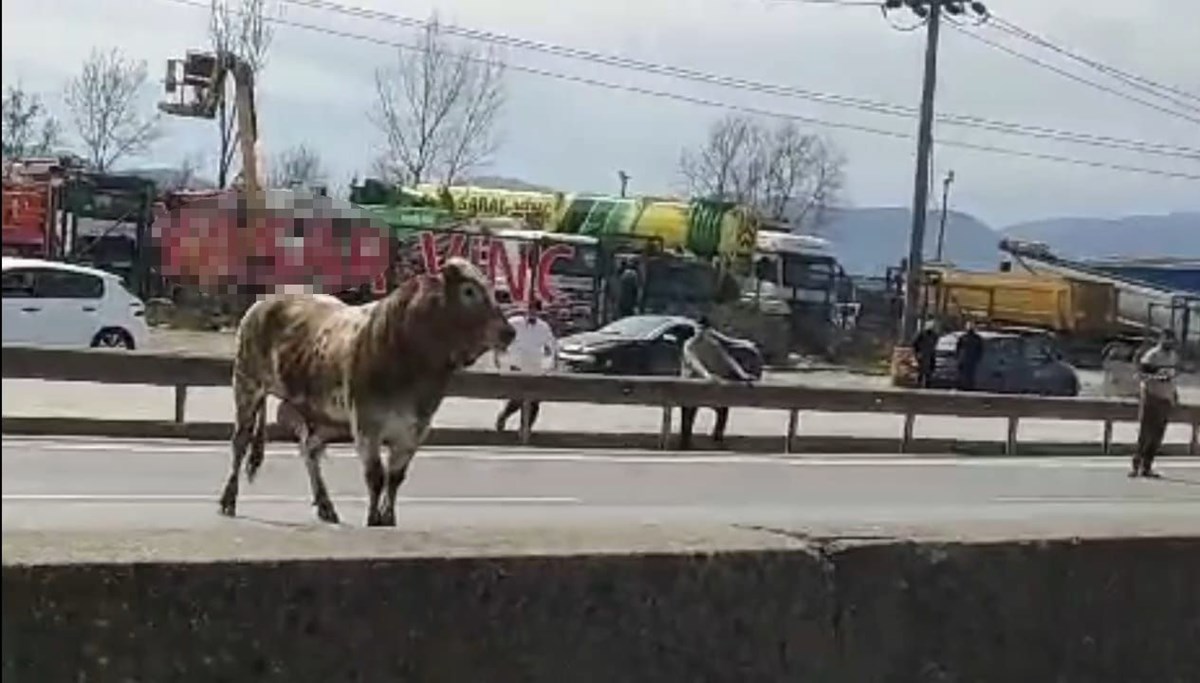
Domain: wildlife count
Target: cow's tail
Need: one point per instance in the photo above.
(250, 366)
(258, 441)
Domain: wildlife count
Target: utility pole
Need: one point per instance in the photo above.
(624, 177)
(945, 199)
(929, 11)
(916, 235)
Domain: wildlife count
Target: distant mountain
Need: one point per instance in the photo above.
(869, 240)
(1173, 234)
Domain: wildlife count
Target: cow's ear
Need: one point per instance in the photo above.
(453, 272)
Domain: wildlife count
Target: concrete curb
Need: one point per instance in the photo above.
(220, 431)
(1065, 610)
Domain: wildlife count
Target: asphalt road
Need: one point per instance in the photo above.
(117, 486)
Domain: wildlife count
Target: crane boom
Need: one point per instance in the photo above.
(199, 82)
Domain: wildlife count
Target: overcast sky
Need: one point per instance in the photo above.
(317, 89)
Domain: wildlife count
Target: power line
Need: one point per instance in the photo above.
(843, 3)
(1140, 82)
(721, 105)
(1067, 74)
(867, 105)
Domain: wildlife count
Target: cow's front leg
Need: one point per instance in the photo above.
(396, 468)
(367, 445)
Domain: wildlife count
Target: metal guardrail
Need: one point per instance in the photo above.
(181, 371)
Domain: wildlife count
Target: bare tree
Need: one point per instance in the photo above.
(108, 109)
(300, 165)
(186, 173)
(803, 175)
(28, 129)
(713, 170)
(243, 30)
(437, 109)
(786, 174)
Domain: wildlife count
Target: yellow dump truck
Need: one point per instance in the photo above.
(1082, 313)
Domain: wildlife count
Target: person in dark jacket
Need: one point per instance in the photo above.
(628, 291)
(969, 352)
(925, 350)
(1157, 397)
(705, 357)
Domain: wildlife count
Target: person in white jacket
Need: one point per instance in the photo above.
(534, 351)
(704, 357)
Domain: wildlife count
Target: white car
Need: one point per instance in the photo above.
(62, 305)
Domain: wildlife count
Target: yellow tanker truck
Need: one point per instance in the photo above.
(701, 227)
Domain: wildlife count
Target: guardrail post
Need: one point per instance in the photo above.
(664, 434)
(906, 438)
(793, 424)
(1010, 444)
(526, 422)
(180, 402)
(1107, 441)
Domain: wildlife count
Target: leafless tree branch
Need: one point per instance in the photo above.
(243, 29)
(105, 100)
(28, 129)
(437, 110)
(787, 175)
(300, 165)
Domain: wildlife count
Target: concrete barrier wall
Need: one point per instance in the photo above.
(1097, 610)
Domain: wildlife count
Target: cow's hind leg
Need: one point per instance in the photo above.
(249, 402)
(394, 472)
(312, 449)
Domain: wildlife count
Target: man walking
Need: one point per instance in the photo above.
(534, 350)
(1157, 397)
(969, 352)
(705, 357)
(925, 351)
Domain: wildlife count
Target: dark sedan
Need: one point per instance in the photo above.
(645, 345)
(1012, 363)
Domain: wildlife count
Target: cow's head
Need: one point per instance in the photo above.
(462, 315)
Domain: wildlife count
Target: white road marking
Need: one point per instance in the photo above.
(130, 448)
(488, 454)
(264, 498)
(1158, 500)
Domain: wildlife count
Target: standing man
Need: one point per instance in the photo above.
(1157, 397)
(925, 350)
(628, 290)
(534, 350)
(969, 352)
(705, 357)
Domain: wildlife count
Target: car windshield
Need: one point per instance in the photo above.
(632, 326)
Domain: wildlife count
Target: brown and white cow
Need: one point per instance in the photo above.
(378, 370)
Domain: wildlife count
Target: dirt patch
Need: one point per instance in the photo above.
(167, 339)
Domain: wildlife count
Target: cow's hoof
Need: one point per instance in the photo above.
(228, 509)
(326, 513)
